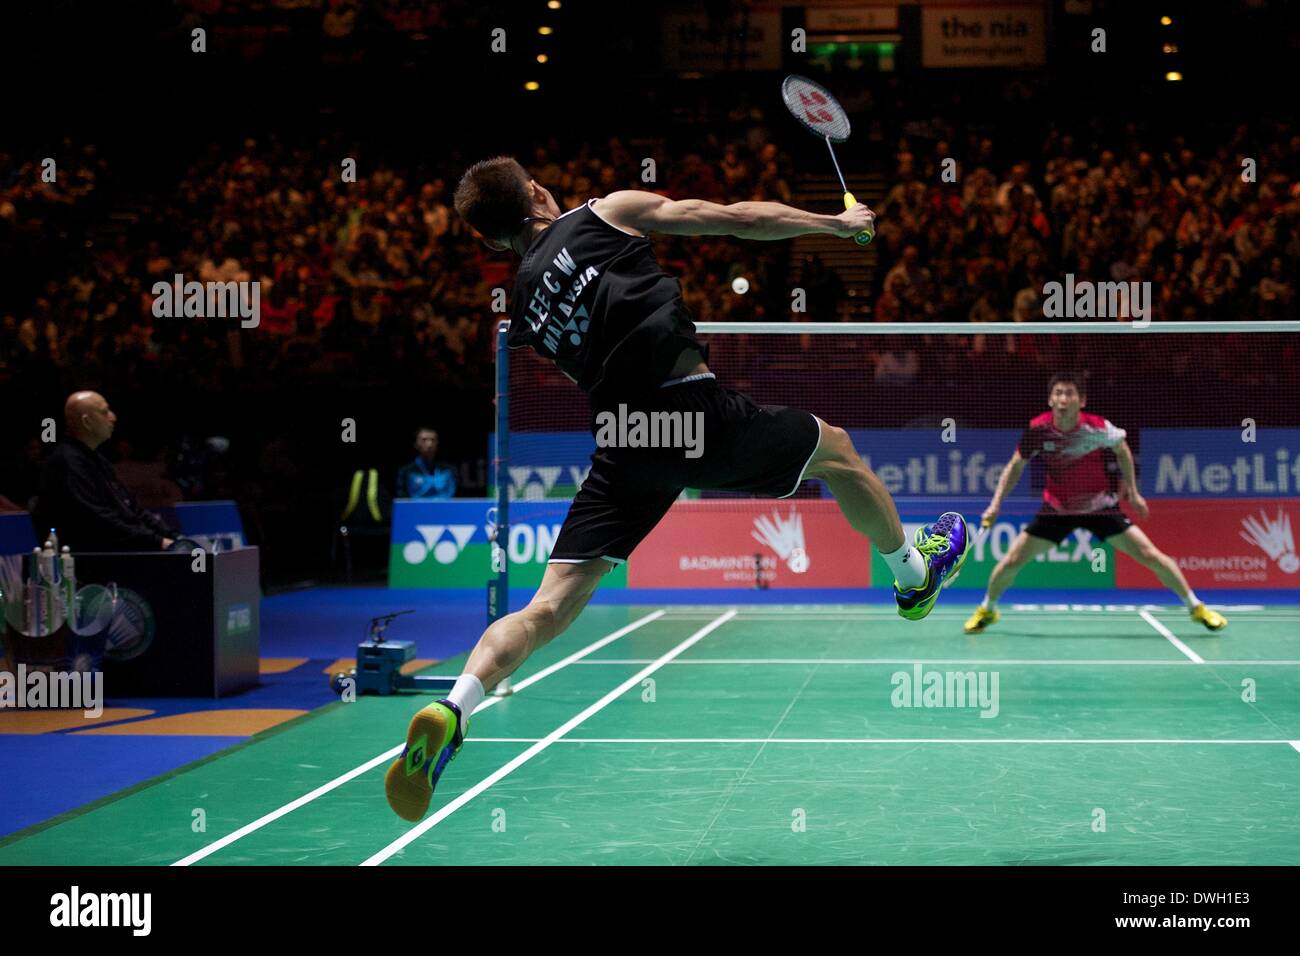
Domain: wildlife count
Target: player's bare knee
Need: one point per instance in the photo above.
(1017, 556)
(560, 601)
(835, 455)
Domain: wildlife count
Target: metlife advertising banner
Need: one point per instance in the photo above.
(1218, 463)
(1224, 508)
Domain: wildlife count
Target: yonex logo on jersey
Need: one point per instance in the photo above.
(444, 550)
(564, 323)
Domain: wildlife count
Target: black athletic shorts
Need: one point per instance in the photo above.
(1055, 526)
(746, 447)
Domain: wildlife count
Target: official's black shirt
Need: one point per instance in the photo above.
(593, 299)
(81, 497)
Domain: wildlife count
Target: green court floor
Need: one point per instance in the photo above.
(775, 734)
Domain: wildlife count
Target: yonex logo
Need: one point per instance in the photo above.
(536, 483)
(577, 329)
(996, 542)
(785, 537)
(814, 107)
(415, 758)
(1274, 538)
(239, 619)
(445, 550)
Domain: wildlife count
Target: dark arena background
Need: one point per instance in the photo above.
(740, 690)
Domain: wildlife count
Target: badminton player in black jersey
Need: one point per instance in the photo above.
(590, 296)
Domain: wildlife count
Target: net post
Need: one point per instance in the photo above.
(498, 589)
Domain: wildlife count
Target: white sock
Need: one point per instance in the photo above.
(908, 566)
(989, 604)
(1191, 600)
(467, 694)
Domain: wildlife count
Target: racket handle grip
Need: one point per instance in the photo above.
(866, 235)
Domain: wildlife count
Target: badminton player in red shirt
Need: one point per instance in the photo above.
(1078, 494)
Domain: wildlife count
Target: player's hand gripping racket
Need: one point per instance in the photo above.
(821, 114)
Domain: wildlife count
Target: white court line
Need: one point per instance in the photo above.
(425, 826)
(982, 662)
(1169, 635)
(1096, 741)
(373, 762)
(1295, 745)
(1034, 610)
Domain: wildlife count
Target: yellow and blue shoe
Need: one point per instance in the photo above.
(1213, 620)
(943, 545)
(432, 740)
(982, 618)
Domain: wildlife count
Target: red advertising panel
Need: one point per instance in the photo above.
(1223, 543)
(793, 543)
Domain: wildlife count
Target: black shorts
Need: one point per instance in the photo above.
(746, 447)
(1056, 527)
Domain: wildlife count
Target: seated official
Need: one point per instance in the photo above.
(422, 478)
(81, 497)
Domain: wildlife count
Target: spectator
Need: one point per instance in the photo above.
(422, 478)
(82, 497)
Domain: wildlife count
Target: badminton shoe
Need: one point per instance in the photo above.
(432, 741)
(943, 545)
(1213, 620)
(982, 618)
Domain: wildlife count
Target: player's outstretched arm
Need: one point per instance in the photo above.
(645, 212)
(1009, 479)
(1129, 489)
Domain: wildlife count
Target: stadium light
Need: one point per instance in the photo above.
(532, 85)
(553, 4)
(1170, 48)
(1173, 76)
(1166, 21)
(541, 58)
(545, 31)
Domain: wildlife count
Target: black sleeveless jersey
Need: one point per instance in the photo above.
(593, 299)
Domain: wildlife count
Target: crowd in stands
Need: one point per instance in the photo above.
(366, 279)
(378, 279)
(1216, 234)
